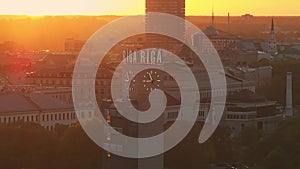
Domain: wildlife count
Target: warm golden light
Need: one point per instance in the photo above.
(126, 7)
(240, 7)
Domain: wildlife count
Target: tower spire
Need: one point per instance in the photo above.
(272, 27)
(213, 17)
(272, 41)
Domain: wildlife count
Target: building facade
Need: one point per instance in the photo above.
(172, 7)
(246, 108)
(35, 108)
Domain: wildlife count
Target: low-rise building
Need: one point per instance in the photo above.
(247, 108)
(37, 108)
(260, 75)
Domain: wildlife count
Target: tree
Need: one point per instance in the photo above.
(283, 146)
(223, 144)
(277, 159)
(278, 83)
(26, 145)
(246, 144)
(190, 154)
(77, 151)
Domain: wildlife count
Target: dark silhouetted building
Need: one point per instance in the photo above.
(173, 7)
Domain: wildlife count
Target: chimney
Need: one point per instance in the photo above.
(289, 95)
(228, 18)
(272, 26)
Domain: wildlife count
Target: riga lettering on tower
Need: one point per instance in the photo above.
(149, 56)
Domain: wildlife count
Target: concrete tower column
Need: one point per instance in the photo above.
(289, 95)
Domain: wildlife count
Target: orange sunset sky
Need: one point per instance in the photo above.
(127, 7)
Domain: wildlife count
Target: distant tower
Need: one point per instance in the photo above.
(289, 95)
(272, 49)
(173, 7)
(213, 18)
(228, 18)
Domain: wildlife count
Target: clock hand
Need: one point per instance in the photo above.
(148, 81)
(150, 77)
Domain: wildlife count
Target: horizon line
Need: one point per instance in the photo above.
(119, 15)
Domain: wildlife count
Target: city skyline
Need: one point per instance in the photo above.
(129, 7)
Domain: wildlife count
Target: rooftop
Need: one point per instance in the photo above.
(245, 96)
(20, 102)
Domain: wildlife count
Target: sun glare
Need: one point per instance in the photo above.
(127, 7)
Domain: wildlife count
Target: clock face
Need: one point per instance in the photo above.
(145, 81)
(142, 84)
(151, 80)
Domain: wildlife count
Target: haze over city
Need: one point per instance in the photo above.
(71, 98)
(121, 7)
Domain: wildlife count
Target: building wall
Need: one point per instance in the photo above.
(47, 119)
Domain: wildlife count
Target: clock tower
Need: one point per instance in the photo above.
(141, 83)
(142, 74)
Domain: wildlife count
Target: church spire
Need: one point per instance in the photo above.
(272, 27)
(272, 41)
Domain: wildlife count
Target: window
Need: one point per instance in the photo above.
(228, 116)
(201, 113)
